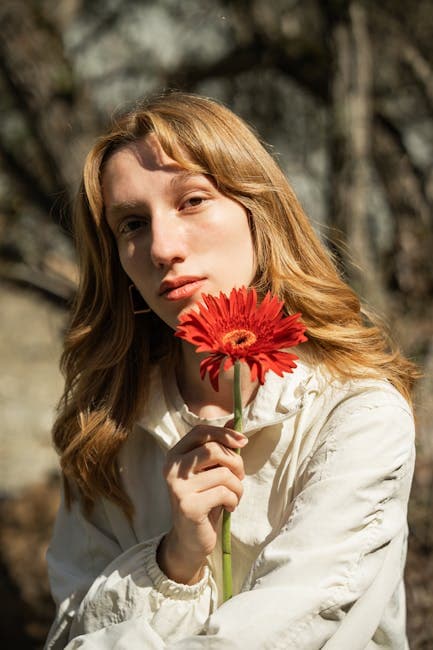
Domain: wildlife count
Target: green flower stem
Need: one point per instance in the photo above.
(226, 536)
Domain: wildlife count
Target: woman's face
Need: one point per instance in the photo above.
(177, 235)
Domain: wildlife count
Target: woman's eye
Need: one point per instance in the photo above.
(193, 201)
(132, 225)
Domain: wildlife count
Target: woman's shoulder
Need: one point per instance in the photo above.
(345, 407)
(367, 411)
(322, 396)
(354, 391)
(356, 423)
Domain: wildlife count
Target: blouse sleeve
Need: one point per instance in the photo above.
(94, 584)
(338, 562)
(328, 571)
(78, 552)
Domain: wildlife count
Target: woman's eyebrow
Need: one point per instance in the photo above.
(117, 210)
(185, 175)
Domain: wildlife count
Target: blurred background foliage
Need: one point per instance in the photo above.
(342, 94)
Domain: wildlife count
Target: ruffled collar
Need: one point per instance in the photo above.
(166, 414)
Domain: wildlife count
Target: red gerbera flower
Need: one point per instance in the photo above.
(236, 327)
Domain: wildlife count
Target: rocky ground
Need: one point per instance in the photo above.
(30, 384)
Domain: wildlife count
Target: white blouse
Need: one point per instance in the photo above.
(318, 539)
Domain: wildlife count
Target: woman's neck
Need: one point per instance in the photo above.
(199, 395)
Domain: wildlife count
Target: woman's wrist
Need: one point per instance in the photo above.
(179, 566)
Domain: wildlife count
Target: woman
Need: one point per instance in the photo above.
(180, 199)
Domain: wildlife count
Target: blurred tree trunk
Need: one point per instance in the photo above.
(53, 110)
(350, 118)
(407, 267)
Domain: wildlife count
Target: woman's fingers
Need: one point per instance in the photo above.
(209, 455)
(220, 496)
(183, 489)
(204, 474)
(194, 507)
(202, 448)
(214, 477)
(205, 433)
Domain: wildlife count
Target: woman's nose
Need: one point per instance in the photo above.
(168, 242)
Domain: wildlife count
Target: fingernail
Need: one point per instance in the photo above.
(243, 441)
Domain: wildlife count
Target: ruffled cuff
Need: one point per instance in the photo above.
(133, 586)
(167, 587)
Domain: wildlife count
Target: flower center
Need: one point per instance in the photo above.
(239, 338)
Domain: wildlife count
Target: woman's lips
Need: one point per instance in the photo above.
(184, 291)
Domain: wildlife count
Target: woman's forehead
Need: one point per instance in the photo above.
(146, 151)
(150, 153)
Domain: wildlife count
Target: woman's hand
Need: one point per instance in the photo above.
(204, 475)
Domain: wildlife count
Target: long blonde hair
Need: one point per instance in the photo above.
(107, 358)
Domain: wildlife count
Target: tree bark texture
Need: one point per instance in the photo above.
(350, 118)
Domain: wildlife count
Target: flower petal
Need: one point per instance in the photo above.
(219, 316)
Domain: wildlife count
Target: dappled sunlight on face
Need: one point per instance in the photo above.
(177, 235)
